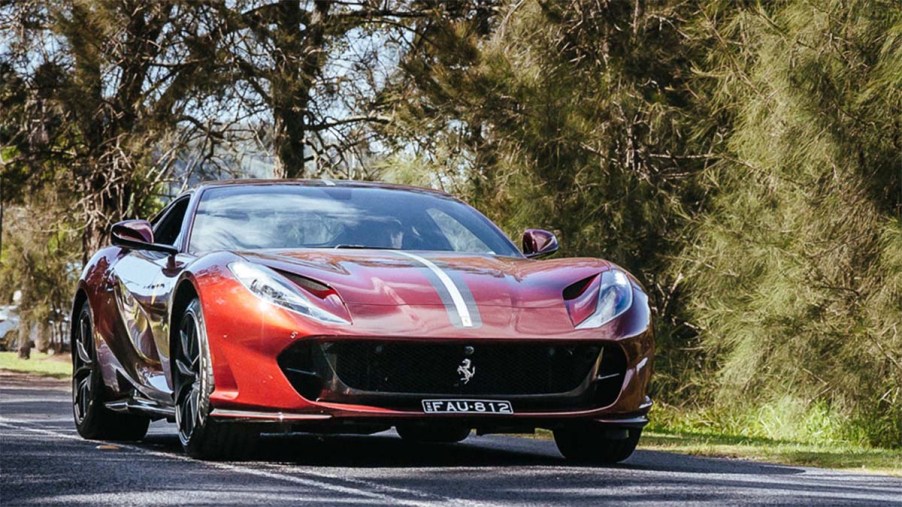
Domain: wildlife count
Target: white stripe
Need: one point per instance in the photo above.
(456, 296)
(328, 183)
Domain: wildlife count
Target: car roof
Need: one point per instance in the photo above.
(318, 183)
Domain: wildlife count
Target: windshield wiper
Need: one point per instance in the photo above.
(365, 247)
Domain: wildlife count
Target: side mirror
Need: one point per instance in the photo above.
(539, 243)
(138, 235)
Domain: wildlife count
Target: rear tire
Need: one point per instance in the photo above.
(433, 434)
(596, 444)
(202, 437)
(92, 419)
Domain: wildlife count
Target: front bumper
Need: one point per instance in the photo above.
(609, 387)
(248, 342)
(637, 419)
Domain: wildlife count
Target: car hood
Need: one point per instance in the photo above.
(391, 277)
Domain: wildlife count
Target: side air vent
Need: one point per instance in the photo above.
(611, 372)
(303, 365)
(574, 290)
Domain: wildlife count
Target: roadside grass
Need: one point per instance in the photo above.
(57, 366)
(836, 456)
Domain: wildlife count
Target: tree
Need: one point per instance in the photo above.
(41, 263)
(317, 68)
(795, 267)
(742, 159)
(571, 116)
(97, 100)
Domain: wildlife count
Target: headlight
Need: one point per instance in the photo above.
(274, 288)
(615, 296)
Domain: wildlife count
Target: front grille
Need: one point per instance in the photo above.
(441, 368)
(392, 373)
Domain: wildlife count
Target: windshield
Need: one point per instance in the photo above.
(294, 216)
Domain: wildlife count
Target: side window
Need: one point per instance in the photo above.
(167, 230)
(459, 237)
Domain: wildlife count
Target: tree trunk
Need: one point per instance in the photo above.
(42, 338)
(292, 80)
(289, 138)
(24, 345)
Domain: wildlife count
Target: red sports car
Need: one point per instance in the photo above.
(265, 306)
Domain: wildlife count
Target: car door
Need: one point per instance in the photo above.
(142, 283)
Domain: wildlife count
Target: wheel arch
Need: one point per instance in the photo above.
(185, 292)
(201, 280)
(80, 299)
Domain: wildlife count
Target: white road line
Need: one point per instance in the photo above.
(456, 296)
(67, 420)
(373, 485)
(5, 389)
(425, 498)
(27, 399)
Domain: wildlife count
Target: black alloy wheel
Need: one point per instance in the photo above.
(201, 436)
(92, 419)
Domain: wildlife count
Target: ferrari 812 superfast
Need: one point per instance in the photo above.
(254, 306)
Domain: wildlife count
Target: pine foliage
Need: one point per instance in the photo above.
(794, 268)
(742, 158)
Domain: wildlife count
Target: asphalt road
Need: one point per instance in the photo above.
(43, 461)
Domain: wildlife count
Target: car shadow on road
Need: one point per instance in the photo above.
(502, 469)
(387, 450)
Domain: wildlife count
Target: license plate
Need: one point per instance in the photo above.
(467, 407)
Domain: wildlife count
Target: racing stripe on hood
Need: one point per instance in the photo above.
(468, 298)
(460, 304)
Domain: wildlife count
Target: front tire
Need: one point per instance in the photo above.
(92, 419)
(596, 444)
(202, 437)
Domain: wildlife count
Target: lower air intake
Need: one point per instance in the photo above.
(338, 370)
